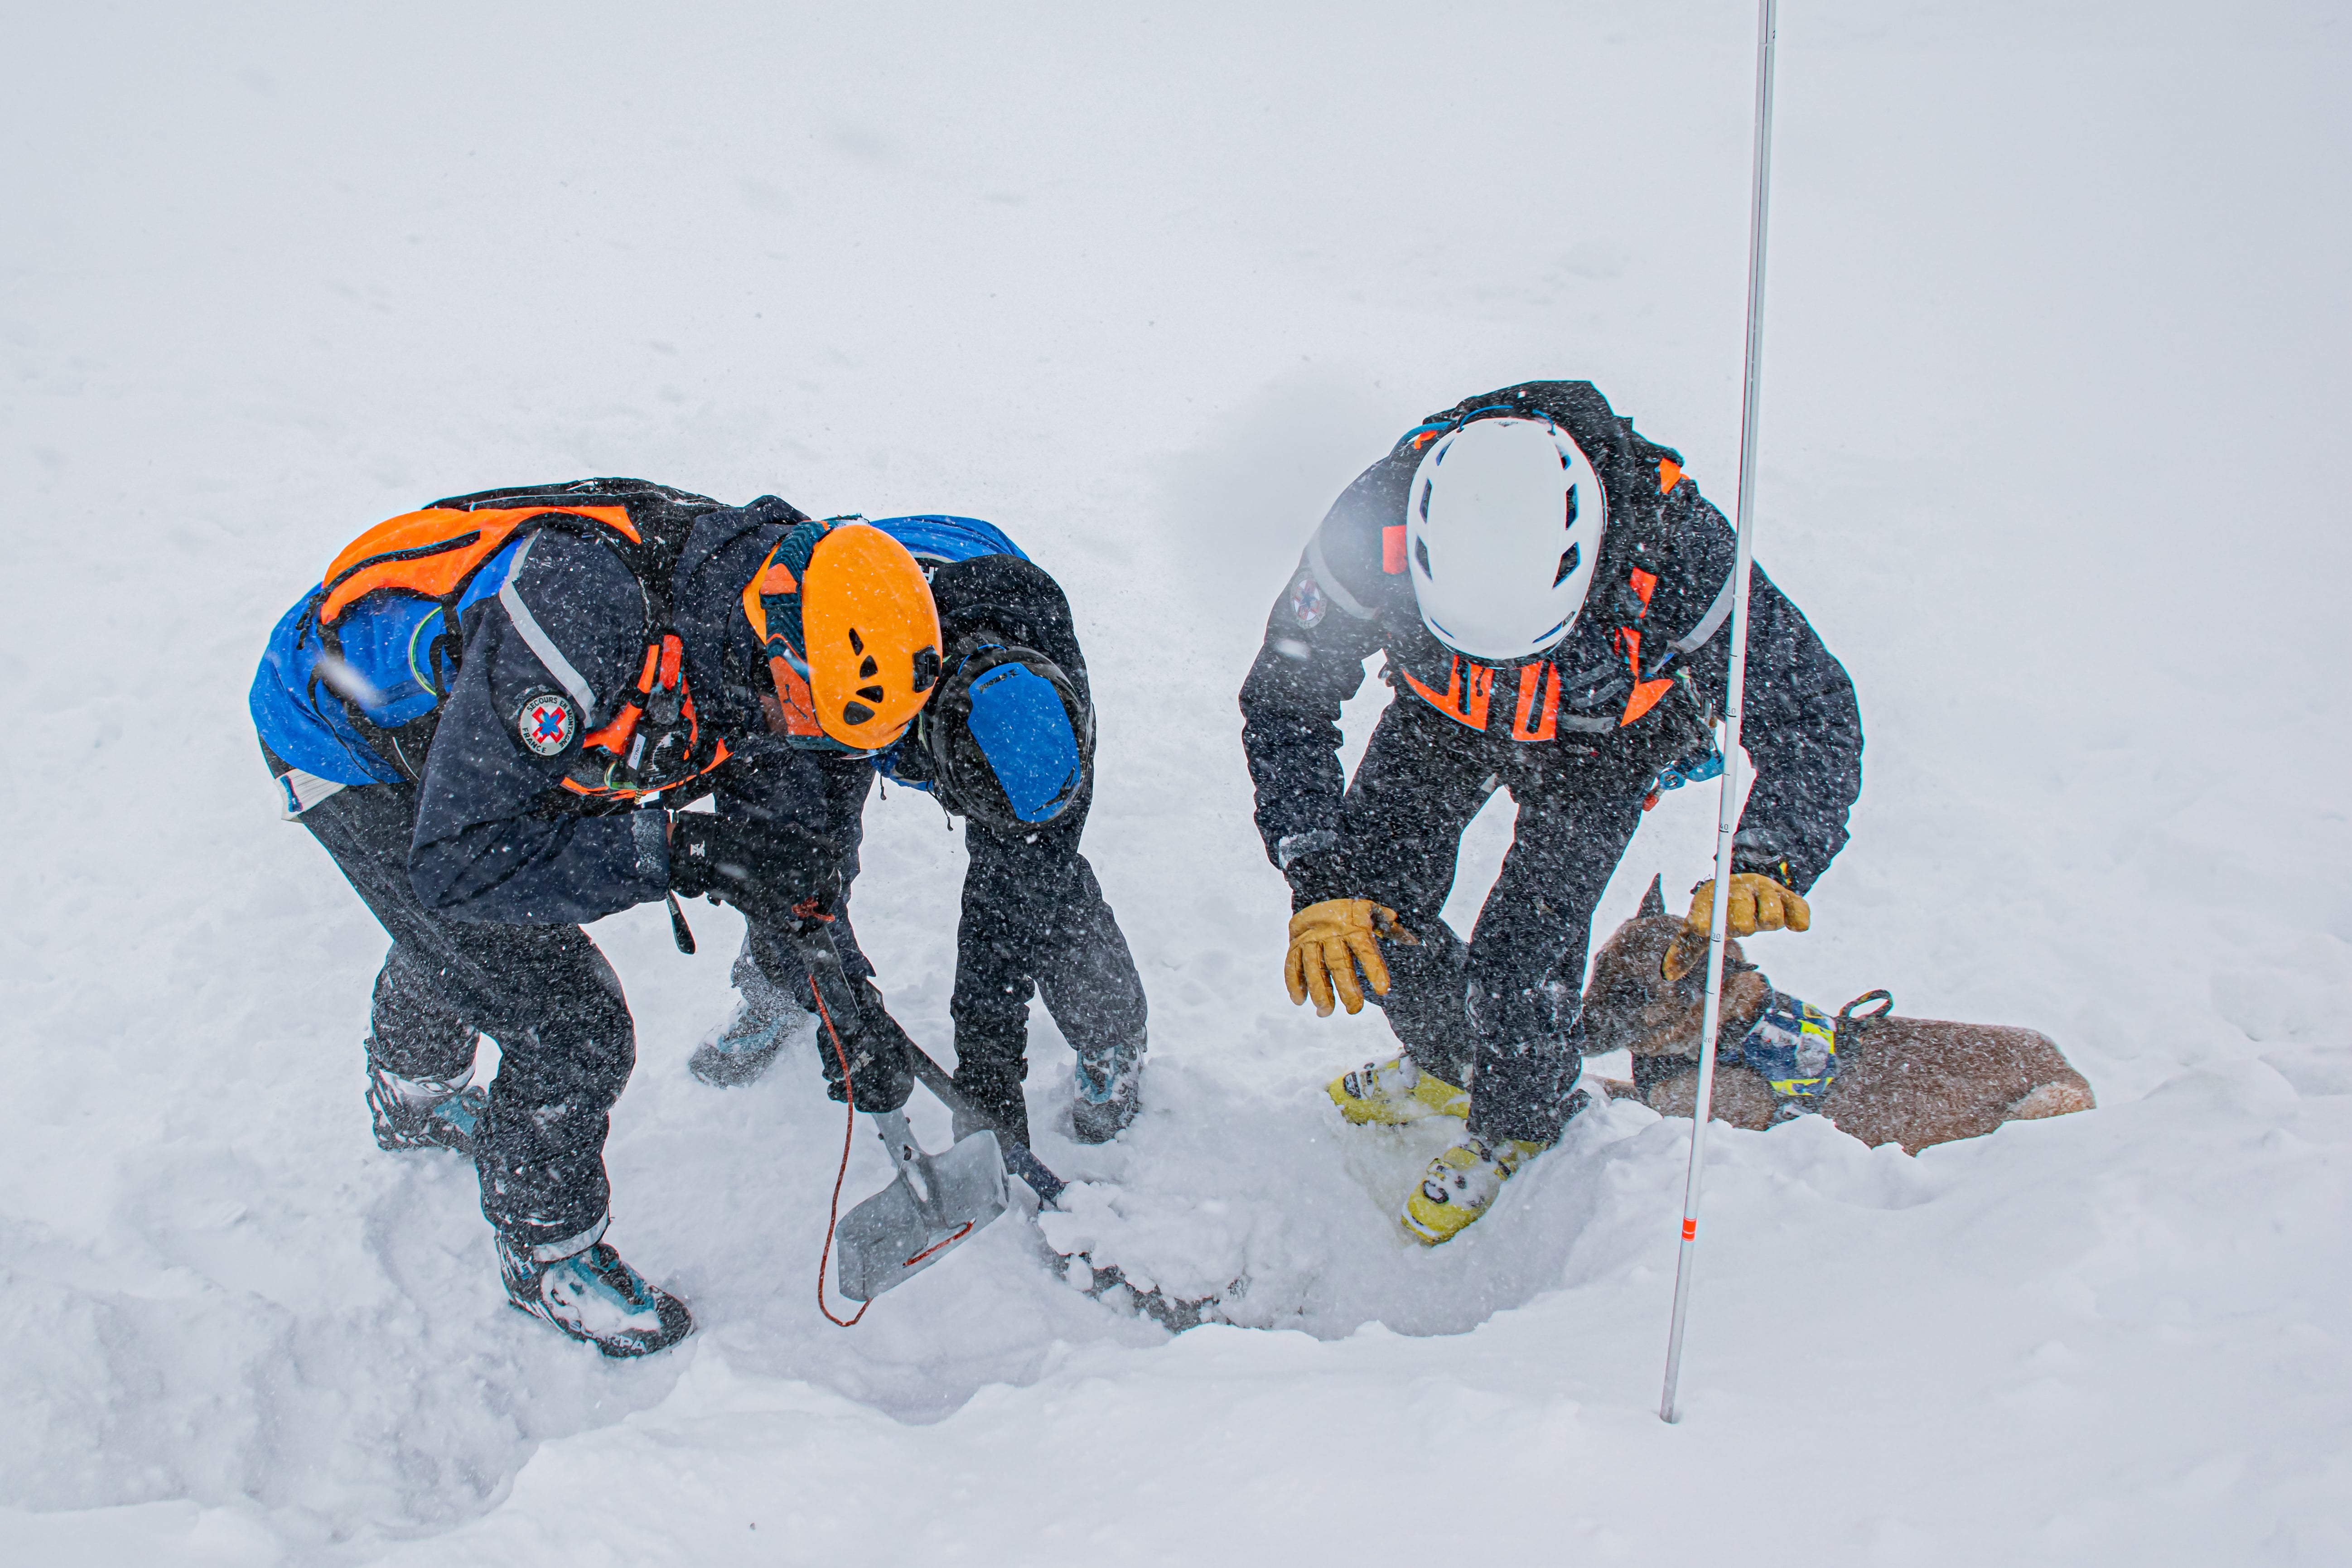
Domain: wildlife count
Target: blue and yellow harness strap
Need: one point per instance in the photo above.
(1793, 1046)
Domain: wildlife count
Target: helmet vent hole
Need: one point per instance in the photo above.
(1426, 485)
(856, 643)
(856, 712)
(1571, 506)
(872, 693)
(870, 669)
(1567, 561)
(1421, 553)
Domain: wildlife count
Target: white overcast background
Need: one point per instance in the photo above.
(2052, 454)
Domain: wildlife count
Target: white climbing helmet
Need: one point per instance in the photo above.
(1503, 530)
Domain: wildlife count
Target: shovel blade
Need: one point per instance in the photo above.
(889, 1238)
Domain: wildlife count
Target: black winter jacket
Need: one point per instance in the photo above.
(1351, 597)
(992, 599)
(497, 838)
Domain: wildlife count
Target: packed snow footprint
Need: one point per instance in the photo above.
(1283, 1213)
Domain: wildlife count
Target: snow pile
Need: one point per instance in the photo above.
(2055, 376)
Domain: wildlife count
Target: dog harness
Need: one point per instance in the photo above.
(1792, 1046)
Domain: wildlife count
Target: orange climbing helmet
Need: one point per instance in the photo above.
(851, 635)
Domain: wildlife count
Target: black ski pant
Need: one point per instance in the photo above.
(543, 992)
(843, 785)
(1034, 921)
(1496, 1013)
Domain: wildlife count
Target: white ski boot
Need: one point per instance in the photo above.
(765, 1022)
(1103, 1097)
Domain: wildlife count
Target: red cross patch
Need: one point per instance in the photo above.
(547, 723)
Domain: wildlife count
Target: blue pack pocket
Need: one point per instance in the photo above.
(391, 670)
(938, 537)
(391, 646)
(1024, 731)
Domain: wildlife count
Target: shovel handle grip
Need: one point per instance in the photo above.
(823, 961)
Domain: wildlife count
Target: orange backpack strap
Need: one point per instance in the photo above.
(1464, 700)
(620, 762)
(1527, 724)
(1645, 693)
(432, 552)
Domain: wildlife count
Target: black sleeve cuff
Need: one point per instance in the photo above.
(1316, 876)
(1765, 863)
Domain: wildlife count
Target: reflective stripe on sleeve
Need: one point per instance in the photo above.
(539, 642)
(1329, 583)
(1709, 624)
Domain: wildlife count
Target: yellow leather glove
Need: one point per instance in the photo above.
(1328, 940)
(1758, 903)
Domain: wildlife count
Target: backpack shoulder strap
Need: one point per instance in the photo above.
(436, 553)
(646, 523)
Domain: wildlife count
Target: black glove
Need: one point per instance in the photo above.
(877, 1048)
(766, 869)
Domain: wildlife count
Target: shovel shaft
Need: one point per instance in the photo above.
(1017, 1157)
(914, 1165)
(834, 992)
(833, 988)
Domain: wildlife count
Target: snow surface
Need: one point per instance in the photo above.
(2054, 428)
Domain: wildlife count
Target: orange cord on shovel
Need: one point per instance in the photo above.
(848, 1129)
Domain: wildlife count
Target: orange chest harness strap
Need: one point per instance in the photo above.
(1535, 709)
(655, 740)
(1645, 693)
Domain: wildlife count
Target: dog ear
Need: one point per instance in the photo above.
(1654, 902)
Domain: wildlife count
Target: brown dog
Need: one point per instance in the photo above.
(1912, 1082)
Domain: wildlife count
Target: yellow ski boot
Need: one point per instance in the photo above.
(1459, 1185)
(1394, 1091)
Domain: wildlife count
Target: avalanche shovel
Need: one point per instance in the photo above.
(934, 1207)
(937, 1204)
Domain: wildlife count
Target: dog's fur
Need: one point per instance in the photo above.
(1912, 1082)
